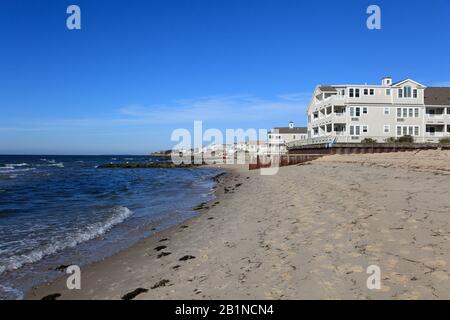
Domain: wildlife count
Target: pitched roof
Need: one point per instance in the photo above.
(405, 80)
(327, 88)
(437, 96)
(297, 130)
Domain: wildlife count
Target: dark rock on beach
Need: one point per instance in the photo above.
(52, 296)
(187, 257)
(163, 254)
(62, 267)
(161, 283)
(131, 295)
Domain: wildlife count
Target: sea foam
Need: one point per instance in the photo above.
(119, 214)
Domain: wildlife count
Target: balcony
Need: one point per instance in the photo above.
(435, 115)
(435, 134)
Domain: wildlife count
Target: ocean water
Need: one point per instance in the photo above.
(63, 210)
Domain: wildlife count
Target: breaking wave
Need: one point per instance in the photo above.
(119, 214)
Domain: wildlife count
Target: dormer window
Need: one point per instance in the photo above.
(407, 92)
(400, 93)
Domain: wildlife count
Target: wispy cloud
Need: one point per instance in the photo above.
(233, 109)
(227, 110)
(441, 84)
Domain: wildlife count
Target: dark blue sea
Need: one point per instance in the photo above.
(63, 210)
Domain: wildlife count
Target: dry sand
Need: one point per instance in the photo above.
(308, 232)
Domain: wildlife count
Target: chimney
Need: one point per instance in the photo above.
(387, 81)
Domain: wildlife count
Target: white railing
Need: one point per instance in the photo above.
(434, 134)
(315, 140)
(435, 116)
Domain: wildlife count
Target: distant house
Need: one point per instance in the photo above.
(252, 146)
(279, 137)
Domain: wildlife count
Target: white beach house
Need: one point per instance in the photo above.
(351, 113)
(278, 138)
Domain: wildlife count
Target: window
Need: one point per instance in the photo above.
(400, 93)
(405, 112)
(364, 110)
(387, 110)
(410, 114)
(387, 129)
(365, 129)
(355, 130)
(408, 130)
(372, 92)
(399, 112)
(356, 93)
(351, 92)
(355, 111)
(366, 92)
(407, 92)
(388, 92)
(416, 112)
(415, 93)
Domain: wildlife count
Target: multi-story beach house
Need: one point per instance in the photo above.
(351, 113)
(278, 138)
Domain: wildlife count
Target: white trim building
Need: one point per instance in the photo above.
(351, 113)
(278, 138)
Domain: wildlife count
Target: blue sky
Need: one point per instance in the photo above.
(139, 69)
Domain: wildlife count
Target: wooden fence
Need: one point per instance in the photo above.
(259, 162)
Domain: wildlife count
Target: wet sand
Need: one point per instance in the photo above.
(308, 232)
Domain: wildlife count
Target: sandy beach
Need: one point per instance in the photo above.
(308, 232)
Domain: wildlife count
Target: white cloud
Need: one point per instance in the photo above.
(225, 110)
(232, 109)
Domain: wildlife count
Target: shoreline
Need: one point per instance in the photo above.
(308, 232)
(219, 180)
